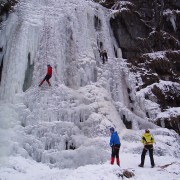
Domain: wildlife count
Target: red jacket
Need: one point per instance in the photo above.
(49, 71)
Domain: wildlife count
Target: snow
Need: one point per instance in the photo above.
(171, 112)
(21, 168)
(157, 55)
(151, 105)
(38, 125)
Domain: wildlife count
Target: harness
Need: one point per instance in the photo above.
(148, 143)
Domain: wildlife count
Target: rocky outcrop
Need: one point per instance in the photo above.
(170, 123)
(142, 26)
(125, 173)
(136, 32)
(158, 41)
(127, 27)
(152, 67)
(174, 58)
(106, 3)
(168, 96)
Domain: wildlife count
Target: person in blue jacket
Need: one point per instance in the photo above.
(115, 145)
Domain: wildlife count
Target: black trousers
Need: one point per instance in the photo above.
(104, 58)
(150, 149)
(115, 151)
(47, 77)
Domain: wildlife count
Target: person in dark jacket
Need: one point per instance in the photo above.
(104, 56)
(48, 75)
(147, 140)
(115, 145)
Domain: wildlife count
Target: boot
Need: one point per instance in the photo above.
(112, 160)
(118, 161)
(49, 83)
(41, 83)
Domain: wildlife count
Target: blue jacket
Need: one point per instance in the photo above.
(114, 139)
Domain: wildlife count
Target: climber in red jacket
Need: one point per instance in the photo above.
(48, 75)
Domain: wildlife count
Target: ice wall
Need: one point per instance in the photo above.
(58, 125)
(18, 39)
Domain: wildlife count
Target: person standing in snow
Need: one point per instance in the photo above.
(104, 56)
(147, 140)
(115, 145)
(48, 75)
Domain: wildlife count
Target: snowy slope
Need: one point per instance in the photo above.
(167, 166)
(86, 97)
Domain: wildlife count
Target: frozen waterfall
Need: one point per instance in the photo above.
(68, 122)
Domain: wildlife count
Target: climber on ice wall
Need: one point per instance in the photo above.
(48, 75)
(104, 56)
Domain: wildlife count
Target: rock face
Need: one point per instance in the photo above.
(172, 123)
(157, 66)
(106, 3)
(153, 69)
(127, 27)
(137, 31)
(135, 21)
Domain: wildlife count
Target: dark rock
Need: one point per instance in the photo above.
(128, 174)
(149, 79)
(127, 26)
(158, 41)
(153, 68)
(6, 7)
(170, 123)
(174, 58)
(168, 97)
(106, 3)
(133, 24)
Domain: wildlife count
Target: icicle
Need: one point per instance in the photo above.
(173, 21)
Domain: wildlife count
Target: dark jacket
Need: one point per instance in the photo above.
(103, 54)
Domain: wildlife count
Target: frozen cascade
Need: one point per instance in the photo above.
(86, 97)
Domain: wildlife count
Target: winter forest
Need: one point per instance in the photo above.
(61, 132)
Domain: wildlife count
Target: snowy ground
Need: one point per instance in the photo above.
(167, 166)
(20, 168)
